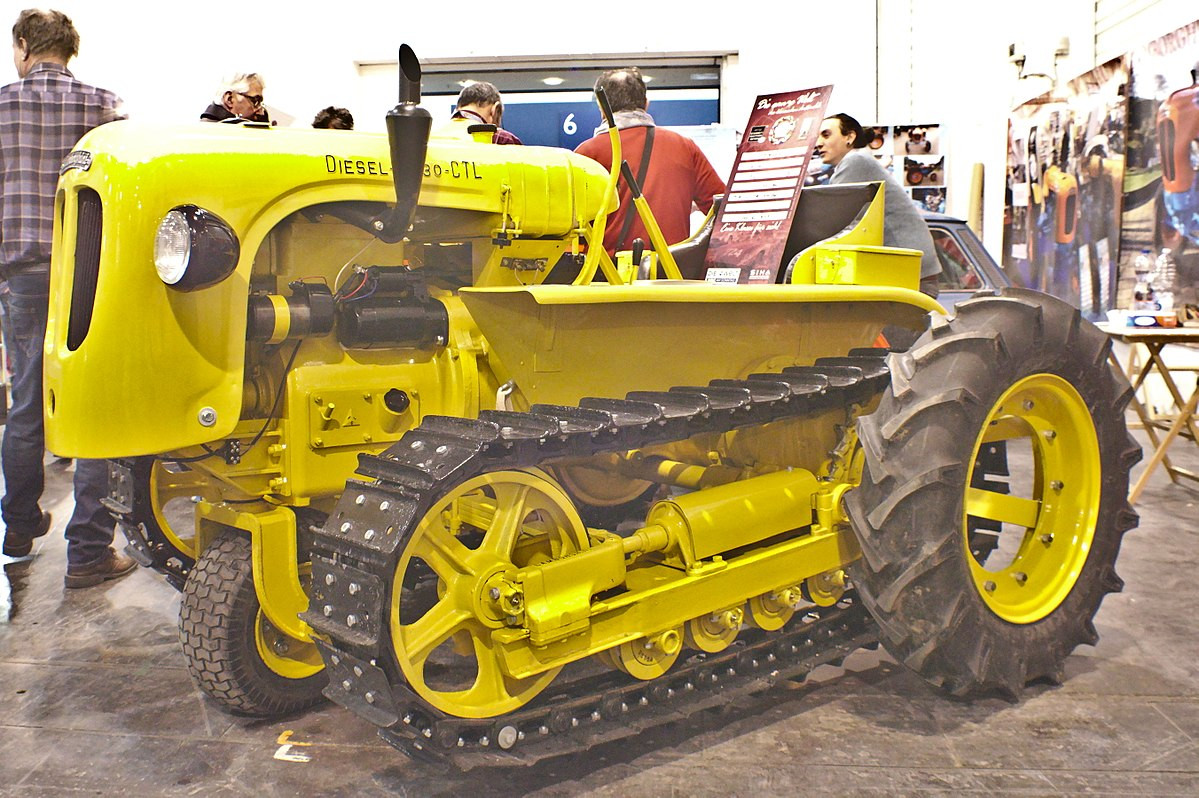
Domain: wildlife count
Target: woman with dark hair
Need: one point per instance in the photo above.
(841, 144)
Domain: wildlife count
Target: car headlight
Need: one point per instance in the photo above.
(194, 248)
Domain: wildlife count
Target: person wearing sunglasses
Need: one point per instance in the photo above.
(238, 100)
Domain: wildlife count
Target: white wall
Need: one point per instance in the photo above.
(937, 60)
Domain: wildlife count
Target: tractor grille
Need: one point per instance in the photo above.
(88, 223)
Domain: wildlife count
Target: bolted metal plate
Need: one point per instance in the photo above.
(346, 602)
(358, 686)
(369, 517)
(120, 488)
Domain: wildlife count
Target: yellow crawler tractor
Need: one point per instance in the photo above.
(574, 507)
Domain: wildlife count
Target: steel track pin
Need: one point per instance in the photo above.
(543, 730)
(357, 670)
(370, 698)
(428, 732)
(347, 685)
(408, 718)
(461, 742)
(574, 722)
(483, 741)
(595, 716)
(643, 701)
(354, 588)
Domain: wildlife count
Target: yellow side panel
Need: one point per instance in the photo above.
(561, 343)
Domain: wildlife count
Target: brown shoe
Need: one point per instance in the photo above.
(110, 566)
(19, 544)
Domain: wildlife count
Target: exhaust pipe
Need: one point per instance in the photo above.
(408, 128)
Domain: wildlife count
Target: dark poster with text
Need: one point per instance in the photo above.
(752, 227)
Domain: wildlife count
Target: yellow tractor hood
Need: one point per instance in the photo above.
(186, 350)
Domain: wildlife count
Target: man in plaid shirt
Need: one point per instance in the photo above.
(42, 116)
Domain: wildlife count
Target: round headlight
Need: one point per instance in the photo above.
(172, 247)
(194, 248)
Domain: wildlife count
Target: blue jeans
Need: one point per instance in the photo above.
(90, 530)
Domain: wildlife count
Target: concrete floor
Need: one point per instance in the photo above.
(95, 699)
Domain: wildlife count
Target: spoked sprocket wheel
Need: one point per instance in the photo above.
(1022, 369)
(470, 540)
(234, 653)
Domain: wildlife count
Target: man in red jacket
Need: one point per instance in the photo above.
(677, 175)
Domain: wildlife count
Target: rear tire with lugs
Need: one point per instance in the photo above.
(1023, 368)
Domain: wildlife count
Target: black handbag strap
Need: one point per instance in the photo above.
(642, 171)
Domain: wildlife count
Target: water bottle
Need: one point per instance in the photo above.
(1164, 278)
(1142, 265)
(1142, 292)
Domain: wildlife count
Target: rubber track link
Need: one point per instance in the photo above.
(356, 552)
(129, 503)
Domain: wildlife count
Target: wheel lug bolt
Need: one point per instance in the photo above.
(1020, 577)
(989, 586)
(1028, 405)
(494, 593)
(1050, 434)
(1057, 485)
(1047, 539)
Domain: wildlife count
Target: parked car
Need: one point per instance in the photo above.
(966, 266)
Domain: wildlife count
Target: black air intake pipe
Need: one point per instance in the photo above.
(408, 128)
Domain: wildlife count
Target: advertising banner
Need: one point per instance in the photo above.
(752, 227)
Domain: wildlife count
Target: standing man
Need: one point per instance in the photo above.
(480, 102)
(42, 115)
(676, 172)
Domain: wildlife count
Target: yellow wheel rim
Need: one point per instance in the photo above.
(167, 486)
(715, 631)
(1049, 530)
(283, 654)
(768, 613)
(444, 613)
(649, 657)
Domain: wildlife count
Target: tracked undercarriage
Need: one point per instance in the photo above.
(365, 574)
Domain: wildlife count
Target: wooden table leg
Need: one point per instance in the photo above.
(1159, 454)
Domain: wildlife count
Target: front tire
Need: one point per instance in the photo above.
(233, 653)
(1023, 368)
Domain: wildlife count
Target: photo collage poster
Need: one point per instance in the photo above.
(1063, 195)
(1161, 187)
(913, 154)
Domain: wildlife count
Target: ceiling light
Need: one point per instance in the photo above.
(705, 76)
(646, 78)
(467, 82)
(553, 81)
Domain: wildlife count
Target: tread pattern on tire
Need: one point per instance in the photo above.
(913, 575)
(216, 627)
